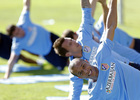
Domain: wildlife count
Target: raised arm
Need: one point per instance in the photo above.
(93, 6)
(76, 83)
(85, 4)
(105, 11)
(26, 5)
(111, 21)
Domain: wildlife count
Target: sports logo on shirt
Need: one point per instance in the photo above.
(86, 49)
(111, 78)
(104, 67)
(92, 55)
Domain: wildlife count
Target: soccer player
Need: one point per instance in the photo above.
(122, 50)
(125, 38)
(111, 79)
(33, 38)
(84, 47)
(5, 50)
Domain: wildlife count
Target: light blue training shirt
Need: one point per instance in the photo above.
(116, 80)
(89, 49)
(120, 36)
(36, 39)
(122, 50)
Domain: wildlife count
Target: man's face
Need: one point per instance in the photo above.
(72, 46)
(83, 69)
(18, 32)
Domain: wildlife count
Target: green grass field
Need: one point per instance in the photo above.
(67, 15)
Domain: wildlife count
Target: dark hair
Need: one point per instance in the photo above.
(58, 47)
(68, 33)
(10, 29)
(72, 65)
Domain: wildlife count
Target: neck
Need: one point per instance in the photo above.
(78, 54)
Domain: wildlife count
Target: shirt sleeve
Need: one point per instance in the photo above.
(24, 17)
(99, 26)
(86, 27)
(125, 38)
(16, 47)
(105, 48)
(76, 85)
(108, 46)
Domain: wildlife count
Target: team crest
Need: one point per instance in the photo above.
(86, 49)
(104, 67)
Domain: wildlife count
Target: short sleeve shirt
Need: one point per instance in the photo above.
(116, 80)
(36, 40)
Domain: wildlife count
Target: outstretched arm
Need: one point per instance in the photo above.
(85, 4)
(105, 11)
(93, 6)
(11, 62)
(25, 14)
(111, 21)
(76, 83)
(26, 5)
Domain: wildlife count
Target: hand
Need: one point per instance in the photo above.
(5, 76)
